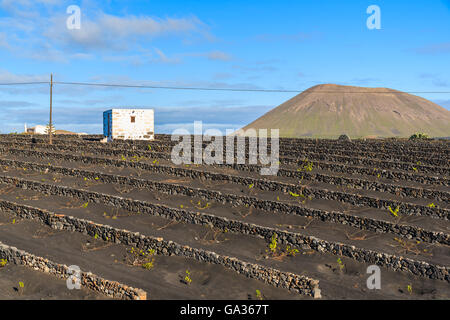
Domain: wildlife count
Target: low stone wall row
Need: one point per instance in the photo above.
(112, 289)
(393, 143)
(358, 144)
(287, 280)
(263, 184)
(420, 177)
(364, 223)
(403, 191)
(433, 155)
(374, 163)
(379, 146)
(426, 158)
(295, 239)
(334, 155)
(386, 142)
(330, 166)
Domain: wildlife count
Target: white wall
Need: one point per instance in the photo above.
(142, 129)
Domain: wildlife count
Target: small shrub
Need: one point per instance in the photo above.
(188, 278)
(21, 287)
(419, 136)
(341, 264)
(49, 129)
(394, 212)
(273, 243)
(139, 257)
(291, 252)
(306, 166)
(410, 290)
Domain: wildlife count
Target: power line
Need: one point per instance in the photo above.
(174, 88)
(233, 89)
(216, 89)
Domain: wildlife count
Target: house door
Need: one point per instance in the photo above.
(107, 124)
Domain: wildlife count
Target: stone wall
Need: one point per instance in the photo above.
(294, 282)
(263, 184)
(112, 289)
(397, 263)
(124, 128)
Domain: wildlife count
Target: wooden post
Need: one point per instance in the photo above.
(51, 98)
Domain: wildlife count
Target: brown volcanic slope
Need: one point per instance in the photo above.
(328, 110)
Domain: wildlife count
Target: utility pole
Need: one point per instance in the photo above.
(51, 99)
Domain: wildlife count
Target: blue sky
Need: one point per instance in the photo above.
(288, 45)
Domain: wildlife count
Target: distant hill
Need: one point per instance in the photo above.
(65, 132)
(328, 110)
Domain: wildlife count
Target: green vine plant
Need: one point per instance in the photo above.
(419, 136)
(276, 252)
(409, 288)
(141, 258)
(21, 287)
(89, 182)
(416, 247)
(273, 243)
(291, 252)
(137, 158)
(300, 195)
(307, 166)
(375, 171)
(187, 278)
(200, 205)
(394, 212)
(341, 264)
(113, 215)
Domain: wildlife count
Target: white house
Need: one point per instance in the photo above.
(129, 124)
(36, 130)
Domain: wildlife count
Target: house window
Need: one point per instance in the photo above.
(133, 119)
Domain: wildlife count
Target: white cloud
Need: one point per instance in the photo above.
(218, 55)
(114, 33)
(29, 31)
(6, 77)
(435, 79)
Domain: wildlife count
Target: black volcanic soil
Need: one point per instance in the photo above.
(212, 281)
(38, 286)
